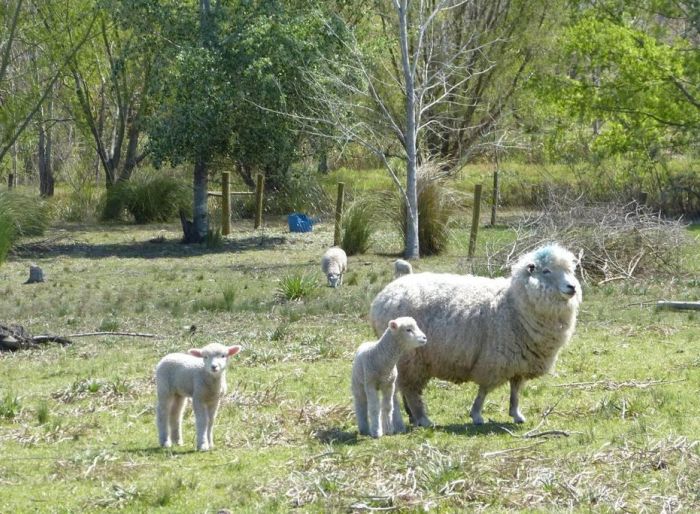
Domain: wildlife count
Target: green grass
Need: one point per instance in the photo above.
(619, 418)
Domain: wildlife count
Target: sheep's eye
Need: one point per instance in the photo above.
(409, 330)
(546, 271)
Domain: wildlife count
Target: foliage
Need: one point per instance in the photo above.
(301, 192)
(357, 225)
(148, 197)
(10, 406)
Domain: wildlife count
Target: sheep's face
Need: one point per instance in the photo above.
(406, 331)
(215, 356)
(334, 279)
(550, 275)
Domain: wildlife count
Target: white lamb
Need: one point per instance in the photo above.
(488, 331)
(200, 375)
(334, 263)
(402, 267)
(374, 372)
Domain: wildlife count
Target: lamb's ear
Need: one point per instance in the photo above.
(195, 351)
(233, 350)
(393, 325)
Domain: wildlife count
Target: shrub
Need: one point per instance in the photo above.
(80, 205)
(149, 197)
(301, 192)
(358, 226)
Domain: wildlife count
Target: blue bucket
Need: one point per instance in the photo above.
(299, 222)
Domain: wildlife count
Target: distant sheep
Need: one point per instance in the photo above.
(402, 267)
(334, 263)
(200, 375)
(374, 372)
(488, 331)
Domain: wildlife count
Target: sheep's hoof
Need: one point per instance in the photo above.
(203, 448)
(424, 421)
(477, 419)
(166, 444)
(519, 419)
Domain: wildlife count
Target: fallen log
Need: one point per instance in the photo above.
(678, 306)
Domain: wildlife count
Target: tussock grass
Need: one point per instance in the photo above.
(614, 429)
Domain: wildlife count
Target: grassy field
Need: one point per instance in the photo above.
(615, 428)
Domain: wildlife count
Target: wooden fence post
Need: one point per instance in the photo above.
(475, 220)
(10, 181)
(338, 213)
(494, 205)
(259, 200)
(225, 204)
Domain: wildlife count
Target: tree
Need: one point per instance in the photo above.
(631, 73)
(397, 106)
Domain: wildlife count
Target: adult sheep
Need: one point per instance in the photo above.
(488, 331)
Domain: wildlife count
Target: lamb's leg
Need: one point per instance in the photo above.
(162, 413)
(475, 413)
(515, 385)
(412, 378)
(201, 419)
(177, 407)
(373, 408)
(360, 399)
(387, 409)
(213, 408)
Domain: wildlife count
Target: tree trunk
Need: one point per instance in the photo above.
(411, 249)
(46, 179)
(200, 221)
(131, 159)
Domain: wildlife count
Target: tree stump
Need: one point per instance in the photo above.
(36, 274)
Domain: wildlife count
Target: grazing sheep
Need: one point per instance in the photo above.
(488, 331)
(200, 375)
(374, 371)
(402, 267)
(334, 263)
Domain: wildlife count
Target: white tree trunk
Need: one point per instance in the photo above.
(411, 249)
(201, 185)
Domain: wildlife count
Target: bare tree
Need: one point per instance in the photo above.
(390, 104)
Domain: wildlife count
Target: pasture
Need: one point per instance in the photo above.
(615, 428)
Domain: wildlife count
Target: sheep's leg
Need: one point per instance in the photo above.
(387, 409)
(360, 399)
(201, 418)
(177, 407)
(416, 407)
(396, 419)
(373, 411)
(475, 413)
(515, 385)
(162, 413)
(213, 408)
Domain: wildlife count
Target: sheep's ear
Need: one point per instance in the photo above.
(393, 325)
(233, 350)
(195, 351)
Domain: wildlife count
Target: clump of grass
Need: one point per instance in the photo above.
(109, 324)
(42, 413)
(20, 215)
(358, 227)
(81, 204)
(149, 197)
(224, 303)
(10, 406)
(297, 286)
(214, 239)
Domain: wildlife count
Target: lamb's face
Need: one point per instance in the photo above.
(215, 356)
(407, 332)
(549, 274)
(333, 279)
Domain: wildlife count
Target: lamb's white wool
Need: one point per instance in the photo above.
(200, 375)
(334, 263)
(488, 331)
(402, 267)
(374, 372)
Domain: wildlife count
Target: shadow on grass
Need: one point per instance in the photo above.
(157, 450)
(335, 436)
(146, 249)
(470, 429)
